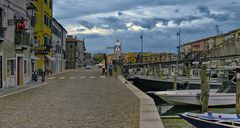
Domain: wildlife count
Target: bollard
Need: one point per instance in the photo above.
(204, 89)
(238, 92)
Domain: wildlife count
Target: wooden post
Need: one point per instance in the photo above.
(175, 78)
(204, 89)
(238, 92)
(188, 70)
(175, 81)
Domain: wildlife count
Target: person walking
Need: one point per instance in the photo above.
(110, 69)
(103, 69)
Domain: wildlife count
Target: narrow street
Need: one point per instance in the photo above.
(76, 99)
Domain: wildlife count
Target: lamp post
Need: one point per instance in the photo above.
(141, 37)
(179, 43)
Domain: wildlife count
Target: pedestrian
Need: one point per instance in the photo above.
(103, 69)
(110, 69)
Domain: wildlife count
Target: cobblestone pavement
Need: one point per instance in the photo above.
(72, 102)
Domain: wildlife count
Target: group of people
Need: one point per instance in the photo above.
(109, 68)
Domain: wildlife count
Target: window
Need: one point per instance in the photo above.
(46, 2)
(71, 46)
(11, 67)
(50, 4)
(47, 41)
(47, 21)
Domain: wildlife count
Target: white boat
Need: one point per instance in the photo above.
(192, 97)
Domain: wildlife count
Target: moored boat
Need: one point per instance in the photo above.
(222, 97)
(212, 120)
(148, 83)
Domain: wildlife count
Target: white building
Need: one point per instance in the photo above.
(59, 46)
(16, 37)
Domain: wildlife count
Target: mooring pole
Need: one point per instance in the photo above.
(188, 70)
(238, 92)
(175, 78)
(204, 88)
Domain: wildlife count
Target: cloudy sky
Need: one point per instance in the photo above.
(101, 22)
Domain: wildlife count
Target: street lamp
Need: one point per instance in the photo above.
(141, 37)
(179, 43)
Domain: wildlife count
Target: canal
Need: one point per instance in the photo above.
(169, 113)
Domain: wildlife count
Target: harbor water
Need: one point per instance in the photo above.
(169, 113)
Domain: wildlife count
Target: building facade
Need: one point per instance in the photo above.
(58, 46)
(88, 58)
(43, 34)
(75, 50)
(16, 39)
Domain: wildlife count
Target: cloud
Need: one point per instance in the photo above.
(133, 27)
(203, 9)
(79, 29)
(101, 21)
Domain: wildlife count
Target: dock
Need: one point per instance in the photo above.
(80, 98)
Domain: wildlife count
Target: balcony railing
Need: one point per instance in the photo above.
(22, 38)
(42, 49)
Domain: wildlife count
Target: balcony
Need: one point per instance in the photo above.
(22, 39)
(43, 49)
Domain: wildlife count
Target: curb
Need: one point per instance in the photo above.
(22, 90)
(149, 117)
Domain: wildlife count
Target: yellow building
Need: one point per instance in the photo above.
(131, 57)
(43, 33)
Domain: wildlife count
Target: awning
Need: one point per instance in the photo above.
(34, 58)
(19, 16)
(50, 58)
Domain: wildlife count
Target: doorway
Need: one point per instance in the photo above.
(19, 71)
(1, 72)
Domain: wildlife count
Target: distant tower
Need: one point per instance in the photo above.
(118, 48)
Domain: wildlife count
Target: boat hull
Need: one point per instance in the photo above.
(192, 97)
(152, 84)
(199, 123)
